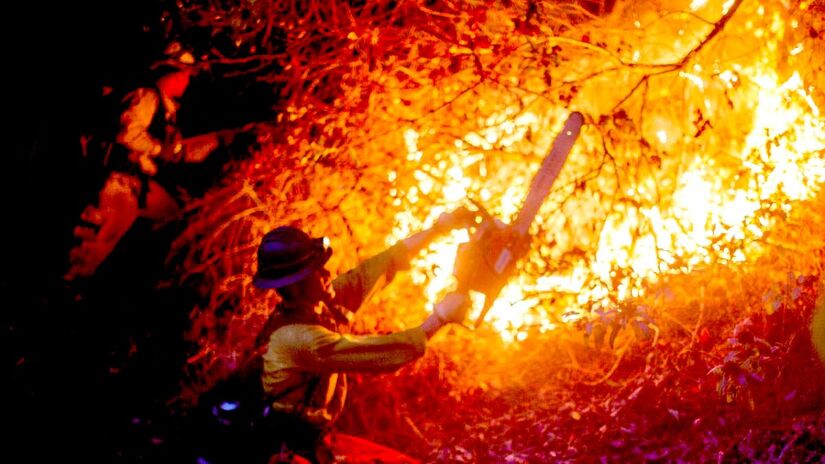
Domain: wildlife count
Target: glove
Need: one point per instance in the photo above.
(461, 217)
(453, 308)
(457, 219)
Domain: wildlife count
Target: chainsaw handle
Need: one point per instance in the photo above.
(482, 210)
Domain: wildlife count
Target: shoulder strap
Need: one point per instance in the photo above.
(312, 385)
(157, 128)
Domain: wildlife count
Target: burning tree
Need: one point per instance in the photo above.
(690, 210)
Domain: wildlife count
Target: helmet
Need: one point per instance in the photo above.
(287, 255)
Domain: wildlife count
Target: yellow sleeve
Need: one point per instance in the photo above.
(136, 121)
(313, 348)
(355, 287)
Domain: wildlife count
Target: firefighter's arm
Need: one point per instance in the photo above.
(135, 122)
(457, 219)
(199, 147)
(452, 309)
(316, 349)
(356, 286)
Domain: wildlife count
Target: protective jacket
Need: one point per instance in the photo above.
(305, 363)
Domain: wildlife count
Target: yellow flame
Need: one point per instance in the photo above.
(782, 160)
(697, 4)
(784, 149)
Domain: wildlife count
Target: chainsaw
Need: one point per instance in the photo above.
(488, 260)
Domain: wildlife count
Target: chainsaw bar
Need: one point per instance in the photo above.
(541, 185)
(548, 172)
(500, 246)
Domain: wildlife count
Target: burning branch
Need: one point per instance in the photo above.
(718, 26)
(393, 112)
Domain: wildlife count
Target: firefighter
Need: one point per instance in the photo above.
(148, 135)
(308, 351)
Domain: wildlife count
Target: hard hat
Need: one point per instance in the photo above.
(287, 255)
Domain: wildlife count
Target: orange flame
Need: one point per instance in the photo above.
(712, 215)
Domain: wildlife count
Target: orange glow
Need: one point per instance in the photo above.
(713, 213)
(704, 137)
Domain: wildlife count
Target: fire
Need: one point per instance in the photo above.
(701, 141)
(434, 270)
(716, 212)
(789, 122)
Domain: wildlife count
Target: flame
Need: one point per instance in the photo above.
(715, 212)
(784, 149)
(697, 4)
(706, 195)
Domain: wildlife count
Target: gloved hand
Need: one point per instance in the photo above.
(458, 218)
(461, 217)
(453, 308)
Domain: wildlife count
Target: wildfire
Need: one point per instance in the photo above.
(701, 141)
(714, 212)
